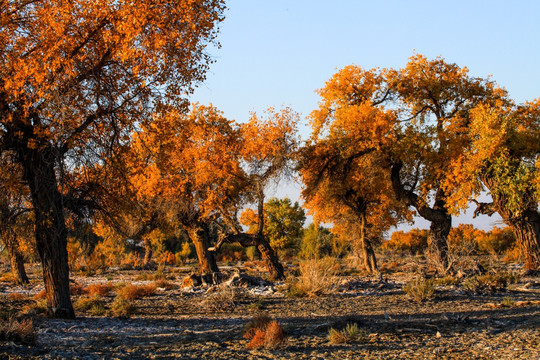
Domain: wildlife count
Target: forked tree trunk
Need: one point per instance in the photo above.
(207, 261)
(370, 261)
(51, 231)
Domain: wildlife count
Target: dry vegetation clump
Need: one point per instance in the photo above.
(420, 289)
(134, 292)
(224, 298)
(122, 308)
(264, 333)
(76, 289)
(157, 275)
(99, 289)
(19, 331)
(38, 307)
(316, 277)
(93, 304)
(489, 283)
(351, 333)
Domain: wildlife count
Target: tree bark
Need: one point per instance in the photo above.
(528, 238)
(51, 232)
(207, 261)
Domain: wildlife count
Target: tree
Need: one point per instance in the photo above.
(431, 101)
(503, 157)
(75, 78)
(317, 242)
(346, 174)
(283, 222)
(190, 162)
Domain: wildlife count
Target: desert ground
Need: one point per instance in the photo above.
(178, 318)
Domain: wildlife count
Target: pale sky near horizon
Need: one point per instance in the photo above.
(277, 52)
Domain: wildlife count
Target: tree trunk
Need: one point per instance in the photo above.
(51, 231)
(17, 267)
(207, 261)
(370, 261)
(438, 240)
(525, 223)
(270, 258)
(441, 221)
(528, 238)
(147, 252)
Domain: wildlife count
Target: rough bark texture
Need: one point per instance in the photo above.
(207, 261)
(51, 231)
(441, 221)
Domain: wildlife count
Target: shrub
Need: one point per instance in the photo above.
(41, 295)
(497, 241)
(18, 331)
(99, 289)
(351, 333)
(489, 282)
(224, 299)
(316, 277)
(122, 308)
(182, 255)
(264, 332)
(87, 303)
(38, 307)
(420, 289)
(134, 292)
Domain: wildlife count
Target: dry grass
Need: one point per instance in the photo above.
(264, 333)
(99, 289)
(122, 308)
(420, 289)
(134, 292)
(93, 303)
(223, 299)
(489, 282)
(351, 333)
(21, 331)
(317, 277)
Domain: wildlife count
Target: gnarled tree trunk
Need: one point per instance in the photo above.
(51, 231)
(207, 261)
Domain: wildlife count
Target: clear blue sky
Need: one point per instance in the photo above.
(277, 52)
